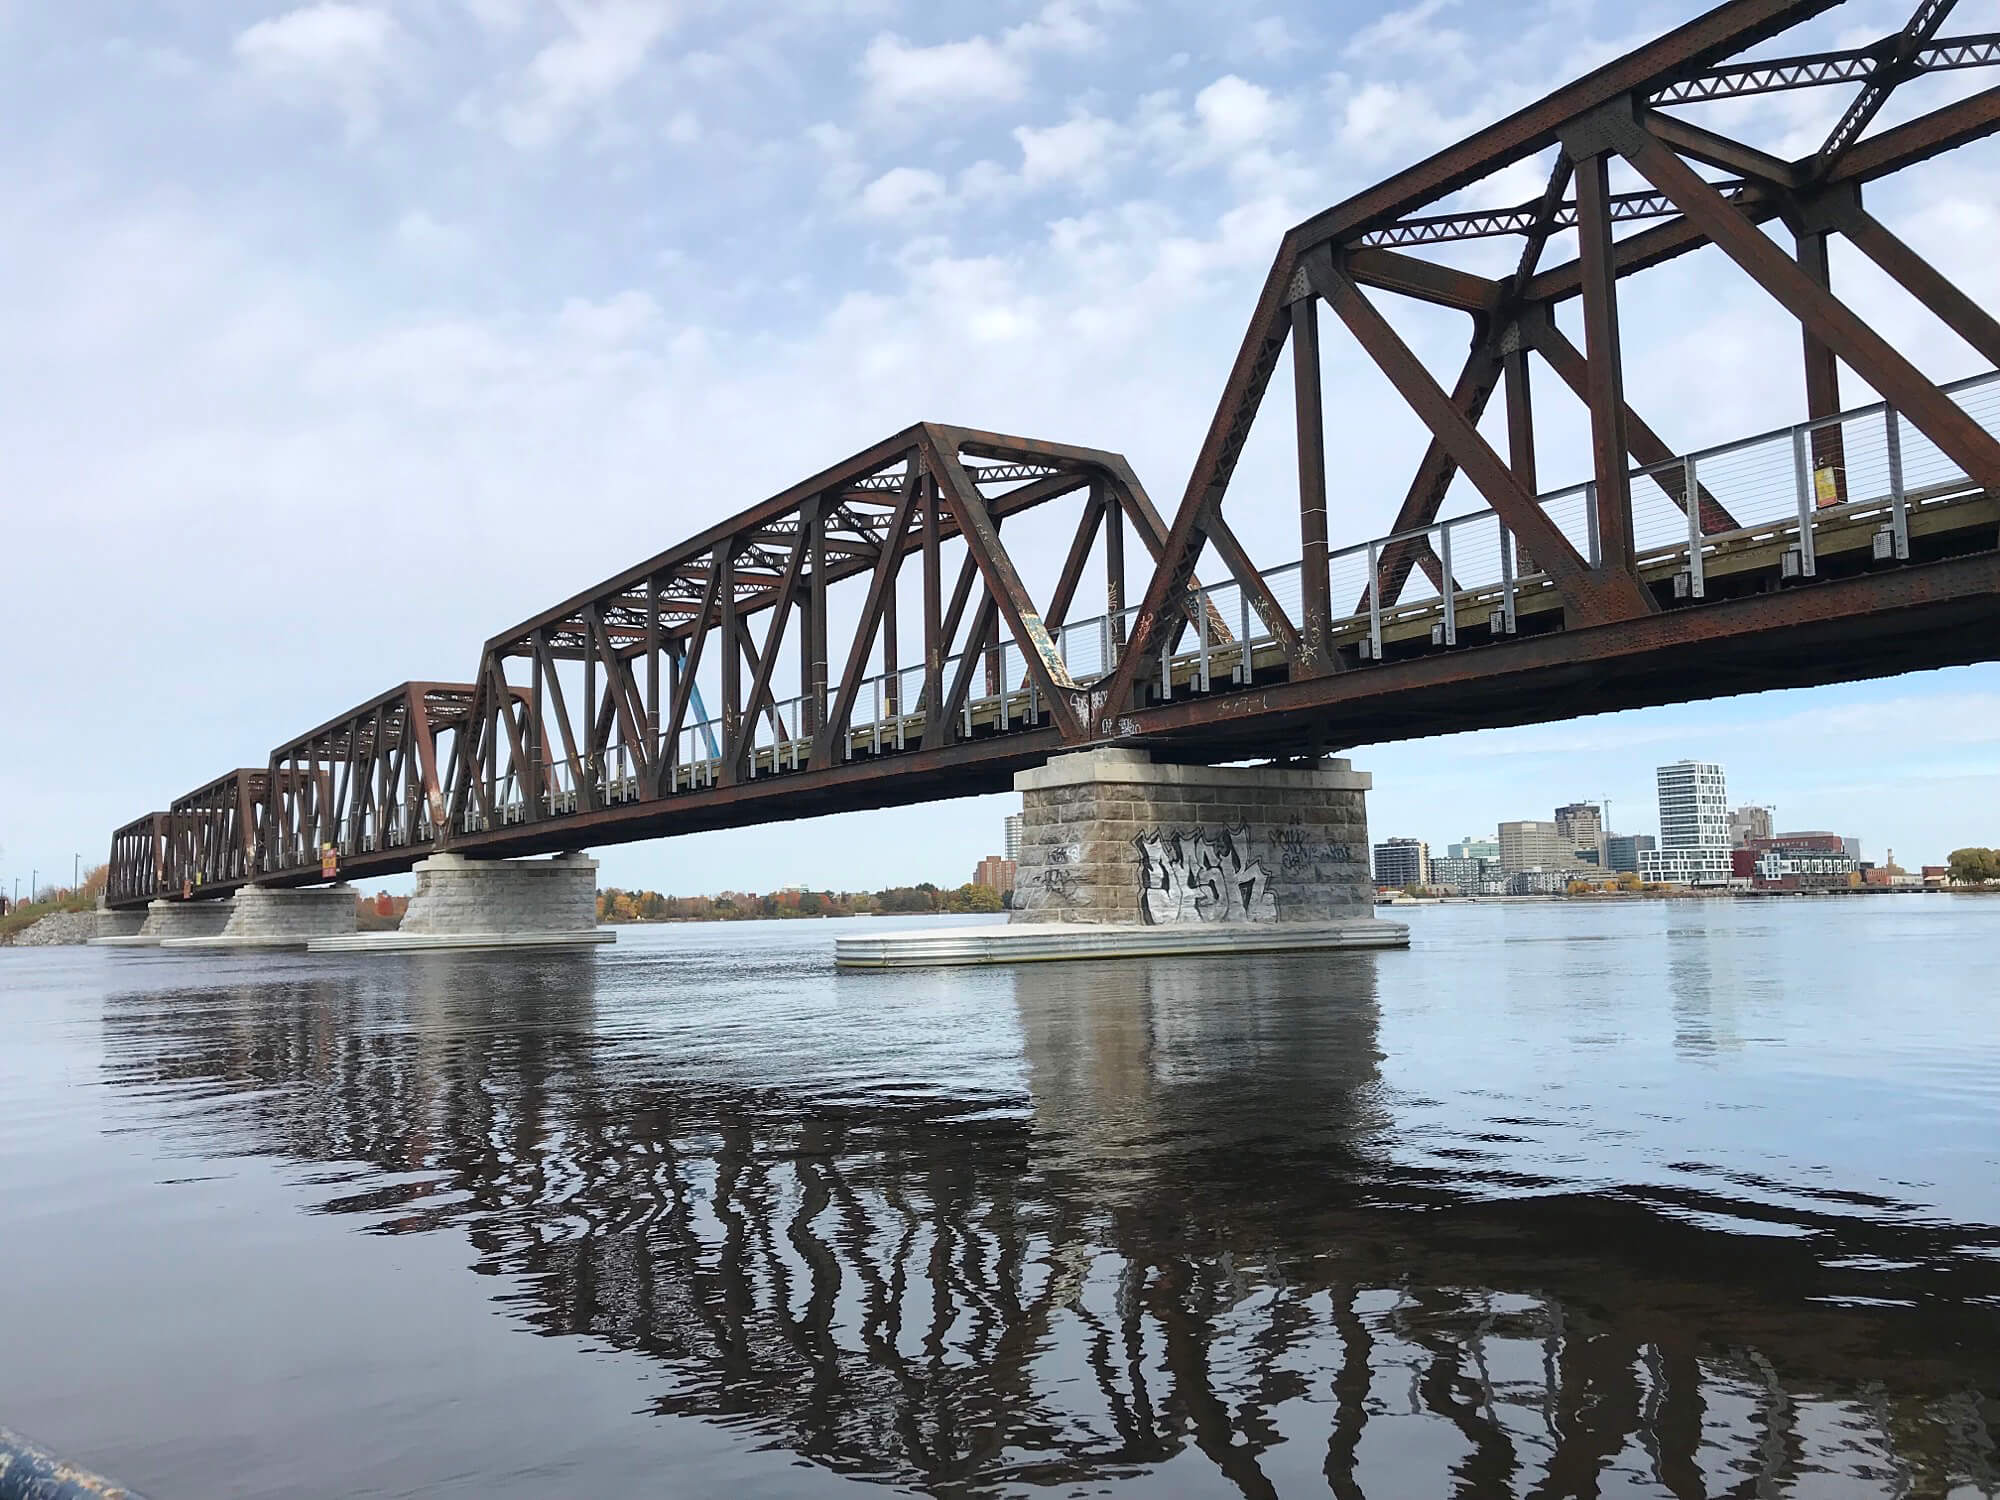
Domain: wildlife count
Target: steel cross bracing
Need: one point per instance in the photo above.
(866, 637)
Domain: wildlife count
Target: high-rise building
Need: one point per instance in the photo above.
(1013, 848)
(1622, 851)
(1747, 823)
(1530, 845)
(995, 873)
(1402, 862)
(1694, 826)
(1472, 848)
(1581, 825)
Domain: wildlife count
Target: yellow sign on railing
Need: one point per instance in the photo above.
(1826, 487)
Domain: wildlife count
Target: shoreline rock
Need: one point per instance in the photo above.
(59, 929)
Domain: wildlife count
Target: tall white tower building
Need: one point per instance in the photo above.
(1694, 826)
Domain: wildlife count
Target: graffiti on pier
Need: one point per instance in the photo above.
(1058, 874)
(1203, 875)
(1300, 849)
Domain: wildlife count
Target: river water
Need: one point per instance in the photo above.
(1649, 1199)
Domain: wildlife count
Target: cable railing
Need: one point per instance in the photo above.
(1787, 487)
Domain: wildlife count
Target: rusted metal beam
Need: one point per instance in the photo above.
(1315, 588)
(1646, 446)
(1688, 49)
(1003, 583)
(1894, 66)
(1590, 598)
(1918, 277)
(1605, 388)
(1899, 381)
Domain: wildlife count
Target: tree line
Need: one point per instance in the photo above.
(617, 905)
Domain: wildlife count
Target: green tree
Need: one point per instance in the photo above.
(1974, 866)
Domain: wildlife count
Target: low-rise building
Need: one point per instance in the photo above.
(1538, 882)
(1814, 861)
(1709, 865)
(1468, 877)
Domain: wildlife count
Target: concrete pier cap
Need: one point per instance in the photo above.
(461, 902)
(1123, 856)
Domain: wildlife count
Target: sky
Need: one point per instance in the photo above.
(341, 336)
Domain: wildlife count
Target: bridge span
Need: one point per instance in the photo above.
(866, 638)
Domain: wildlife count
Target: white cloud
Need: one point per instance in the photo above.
(901, 76)
(603, 47)
(1412, 31)
(1273, 38)
(329, 52)
(1236, 113)
(902, 192)
(1074, 151)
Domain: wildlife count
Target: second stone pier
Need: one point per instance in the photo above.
(1122, 856)
(491, 903)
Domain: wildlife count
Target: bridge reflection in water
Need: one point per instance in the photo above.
(1156, 1219)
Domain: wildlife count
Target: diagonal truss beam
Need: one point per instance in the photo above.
(1590, 597)
(1955, 432)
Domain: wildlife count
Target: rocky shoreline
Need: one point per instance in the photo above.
(58, 929)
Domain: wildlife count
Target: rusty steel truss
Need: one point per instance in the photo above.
(1620, 113)
(866, 638)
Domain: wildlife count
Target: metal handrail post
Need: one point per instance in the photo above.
(1691, 498)
(1803, 484)
(1506, 577)
(1248, 666)
(1448, 585)
(1900, 510)
(1374, 603)
(1201, 637)
(1590, 524)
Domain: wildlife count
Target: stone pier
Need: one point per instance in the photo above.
(163, 921)
(261, 917)
(1125, 857)
(117, 924)
(491, 903)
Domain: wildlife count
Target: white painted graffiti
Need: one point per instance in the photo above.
(1203, 875)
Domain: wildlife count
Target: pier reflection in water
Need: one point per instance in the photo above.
(1068, 1225)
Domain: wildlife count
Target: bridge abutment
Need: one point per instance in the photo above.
(1124, 857)
(491, 903)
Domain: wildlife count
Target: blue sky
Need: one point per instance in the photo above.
(341, 336)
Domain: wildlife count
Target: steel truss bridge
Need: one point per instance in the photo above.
(770, 668)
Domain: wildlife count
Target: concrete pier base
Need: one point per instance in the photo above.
(164, 920)
(490, 903)
(1122, 857)
(117, 924)
(260, 917)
